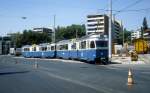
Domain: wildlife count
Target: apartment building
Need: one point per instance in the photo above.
(117, 28)
(5, 44)
(43, 30)
(100, 24)
(136, 34)
(97, 24)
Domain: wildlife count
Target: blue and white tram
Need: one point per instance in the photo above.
(26, 51)
(73, 49)
(92, 49)
(62, 49)
(35, 52)
(47, 50)
(30, 51)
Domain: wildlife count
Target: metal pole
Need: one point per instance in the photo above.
(76, 33)
(54, 38)
(110, 32)
(54, 35)
(123, 36)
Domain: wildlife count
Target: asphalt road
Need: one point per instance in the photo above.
(19, 75)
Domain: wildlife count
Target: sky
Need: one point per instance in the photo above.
(40, 13)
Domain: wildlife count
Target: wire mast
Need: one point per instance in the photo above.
(110, 31)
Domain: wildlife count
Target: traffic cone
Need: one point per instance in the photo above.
(130, 78)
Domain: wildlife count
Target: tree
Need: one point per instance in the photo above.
(145, 25)
(127, 36)
(28, 37)
(70, 32)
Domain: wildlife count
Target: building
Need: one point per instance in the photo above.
(5, 44)
(147, 34)
(136, 34)
(97, 24)
(0, 47)
(100, 24)
(43, 30)
(117, 28)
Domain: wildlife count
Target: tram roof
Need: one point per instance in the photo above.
(91, 36)
(26, 46)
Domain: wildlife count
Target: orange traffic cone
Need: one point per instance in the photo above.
(130, 78)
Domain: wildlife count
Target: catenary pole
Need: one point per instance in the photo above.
(54, 38)
(110, 31)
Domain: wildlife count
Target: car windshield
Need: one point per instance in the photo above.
(101, 44)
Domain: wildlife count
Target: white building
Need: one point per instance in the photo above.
(100, 24)
(43, 30)
(136, 34)
(97, 24)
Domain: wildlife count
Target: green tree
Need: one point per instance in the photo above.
(127, 36)
(28, 37)
(16, 39)
(145, 25)
(70, 32)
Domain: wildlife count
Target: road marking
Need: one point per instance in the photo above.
(100, 88)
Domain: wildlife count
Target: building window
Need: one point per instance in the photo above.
(94, 16)
(99, 24)
(91, 20)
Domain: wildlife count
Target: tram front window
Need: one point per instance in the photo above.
(100, 44)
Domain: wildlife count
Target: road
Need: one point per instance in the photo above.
(18, 75)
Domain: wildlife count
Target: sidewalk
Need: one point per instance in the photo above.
(125, 60)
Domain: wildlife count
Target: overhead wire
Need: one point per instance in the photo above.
(106, 6)
(131, 5)
(133, 10)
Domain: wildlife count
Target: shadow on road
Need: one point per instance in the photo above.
(9, 73)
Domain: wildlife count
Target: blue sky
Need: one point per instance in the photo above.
(40, 13)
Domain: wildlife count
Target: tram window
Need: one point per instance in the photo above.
(101, 44)
(64, 47)
(44, 48)
(83, 45)
(61, 47)
(26, 49)
(48, 48)
(92, 44)
(58, 47)
(73, 46)
(52, 47)
(34, 49)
